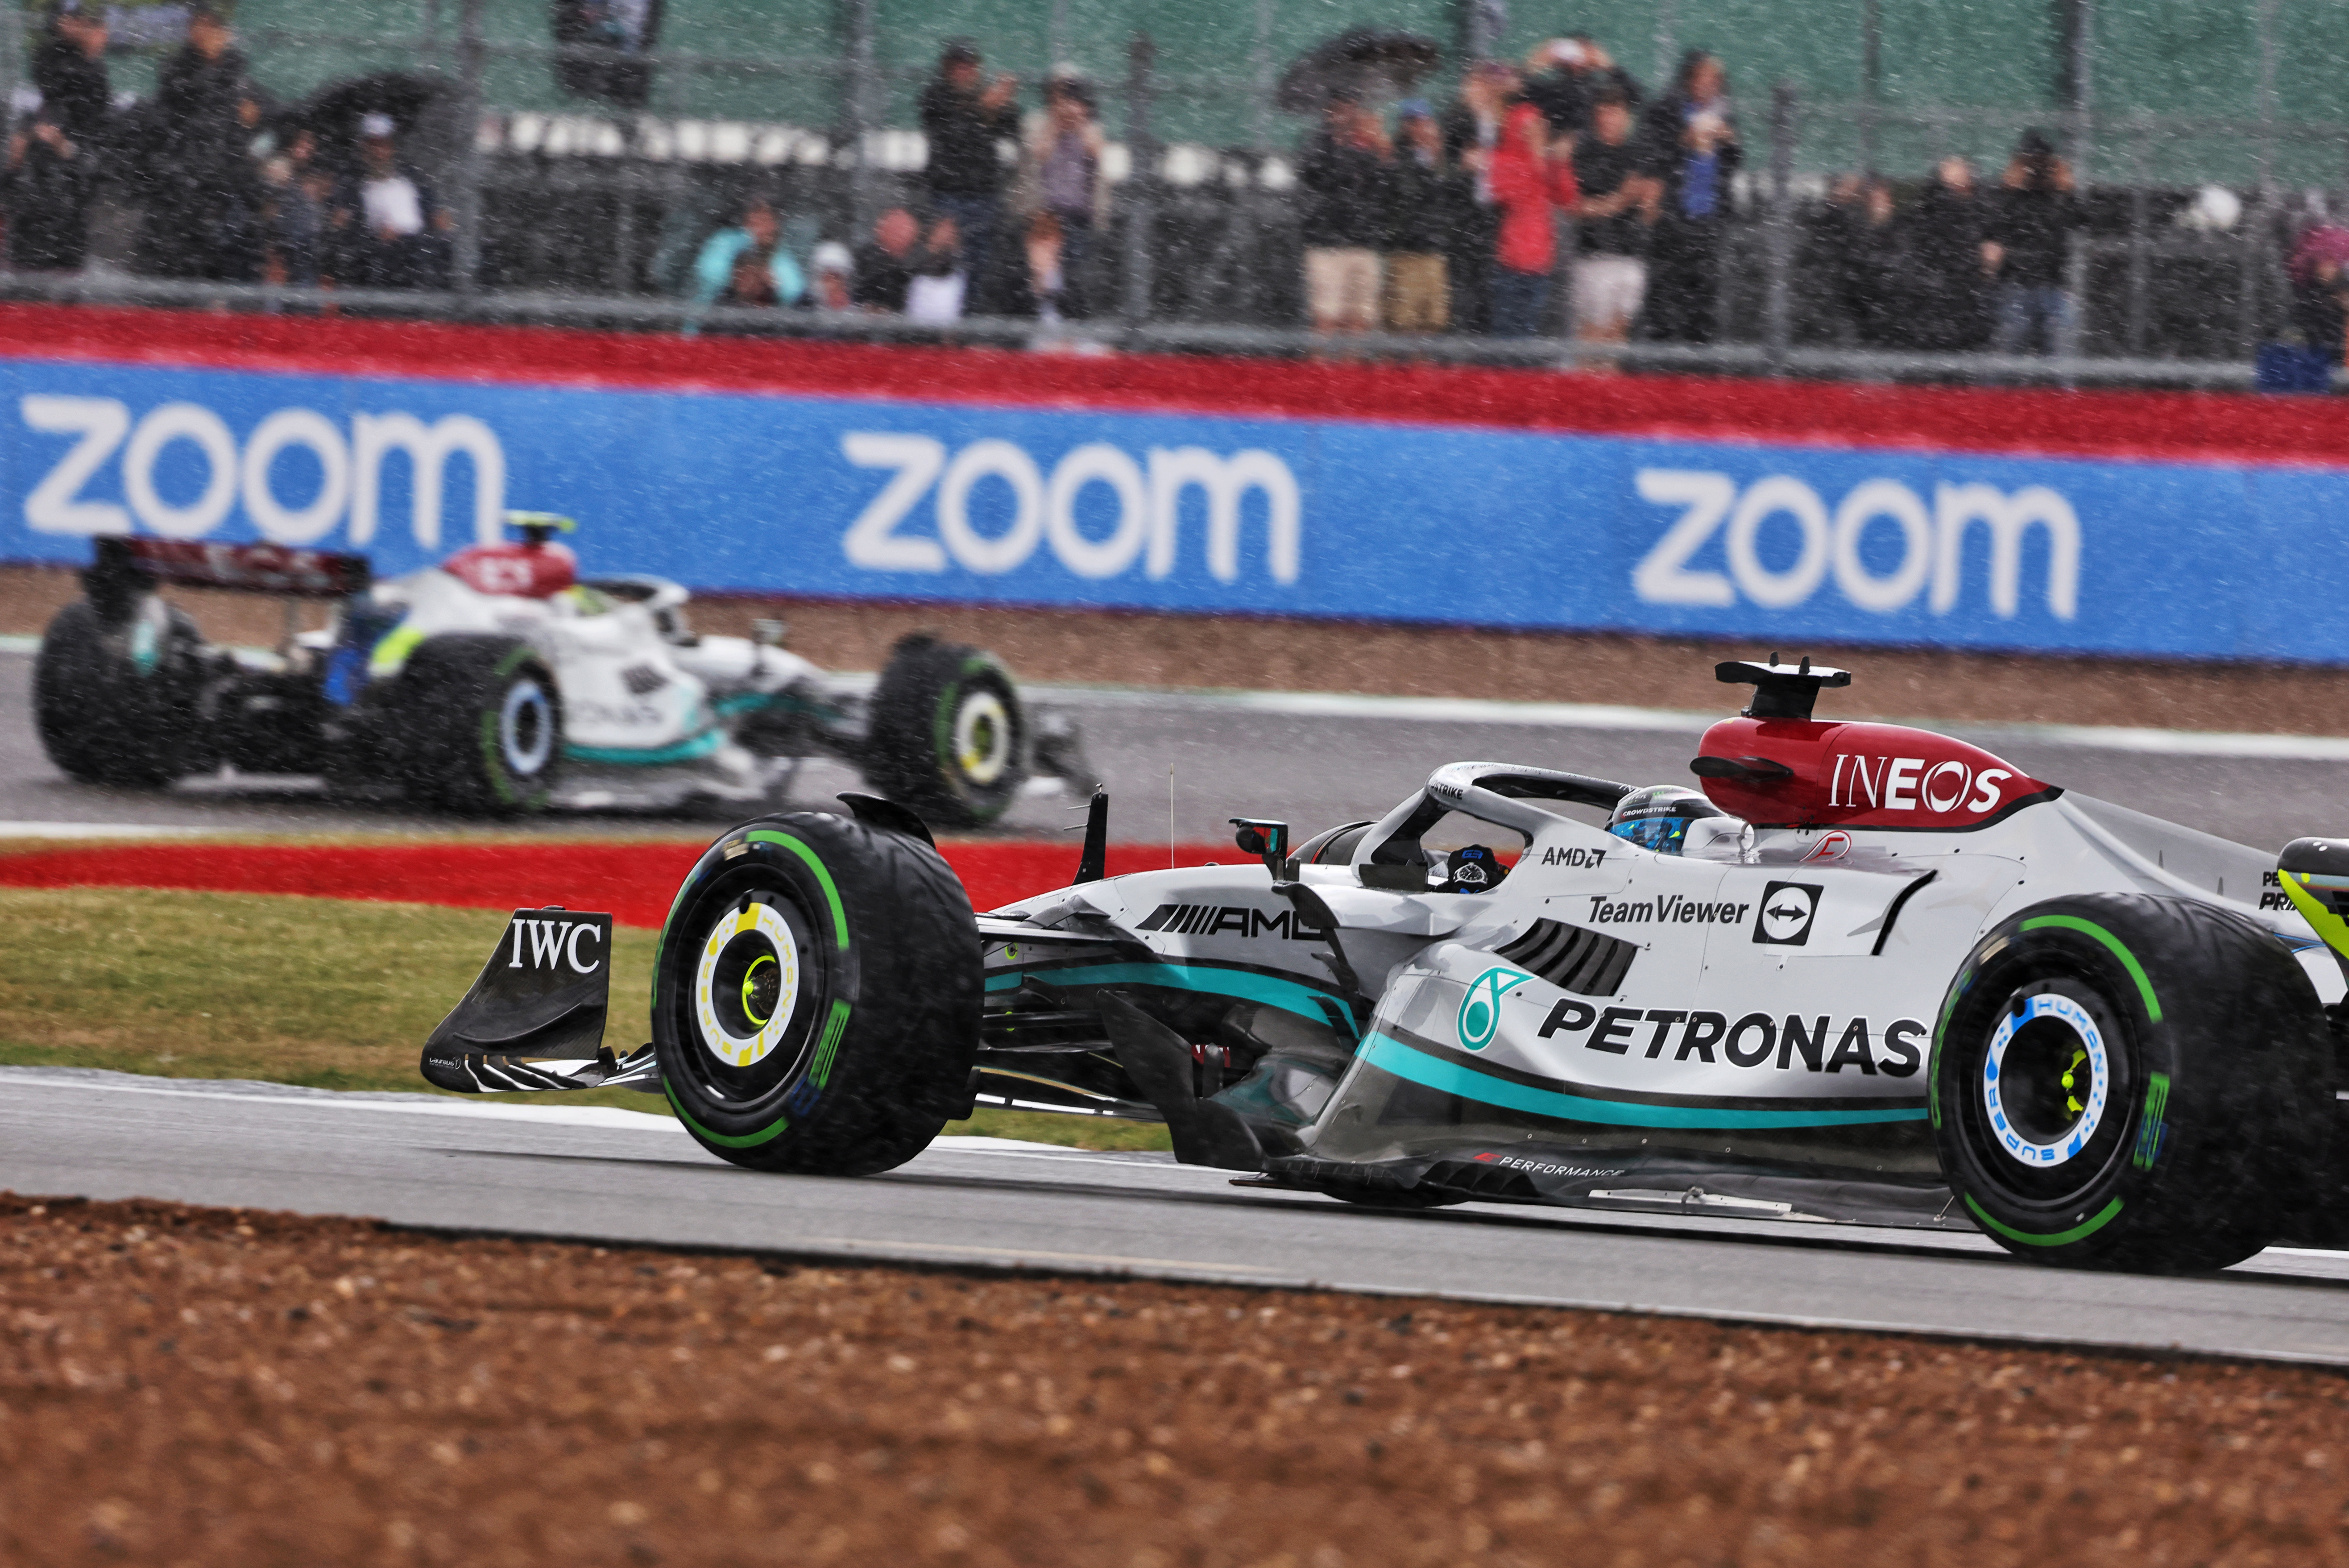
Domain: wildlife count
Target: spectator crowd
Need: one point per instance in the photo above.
(1554, 196)
(1563, 169)
(228, 183)
(1028, 245)
(1963, 268)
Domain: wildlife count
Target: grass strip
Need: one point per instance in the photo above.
(327, 993)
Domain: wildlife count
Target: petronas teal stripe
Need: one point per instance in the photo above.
(1392, 1056)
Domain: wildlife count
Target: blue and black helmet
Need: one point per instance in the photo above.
(1472, 869)
(1658, 817)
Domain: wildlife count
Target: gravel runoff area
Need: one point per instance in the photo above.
(1254, 654)
(208, 1386)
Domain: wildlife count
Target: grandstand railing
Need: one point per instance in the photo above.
(1203, 243)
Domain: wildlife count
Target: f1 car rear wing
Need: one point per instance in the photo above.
(125, 564)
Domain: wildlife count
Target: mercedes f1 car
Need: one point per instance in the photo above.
(1869, 975)
(498, 683)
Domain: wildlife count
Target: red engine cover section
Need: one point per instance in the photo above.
(1859, 775)
(524, 571)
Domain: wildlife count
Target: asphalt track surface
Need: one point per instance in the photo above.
(621, 1175)
(1306, 760)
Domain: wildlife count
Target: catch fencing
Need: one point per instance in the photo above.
(587, 214)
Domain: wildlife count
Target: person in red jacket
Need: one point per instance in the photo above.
(1528, 184)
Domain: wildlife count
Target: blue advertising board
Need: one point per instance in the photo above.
(906, 500)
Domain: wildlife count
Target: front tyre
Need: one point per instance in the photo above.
(816, 996)
(476, 725)
(949, 735)
(2126, 1081)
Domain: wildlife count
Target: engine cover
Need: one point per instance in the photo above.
(1802, 773)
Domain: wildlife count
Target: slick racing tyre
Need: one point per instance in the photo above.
(115, 704)
(816, 996)
(2126, 1081)
(475, 725)
(949, 737)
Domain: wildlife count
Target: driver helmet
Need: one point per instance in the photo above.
(1658, 817)
(1472, 869)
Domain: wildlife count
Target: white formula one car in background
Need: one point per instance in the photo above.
(1869, 975)
(498, 683)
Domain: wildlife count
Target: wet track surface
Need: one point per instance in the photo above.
(1235, 757)
(619, 1176)
(1311, 762)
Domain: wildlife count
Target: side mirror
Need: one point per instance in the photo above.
(1267, 840)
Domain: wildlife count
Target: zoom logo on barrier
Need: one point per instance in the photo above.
(349, 470)
(1931, 545)
(859, 494)
(1147, 497)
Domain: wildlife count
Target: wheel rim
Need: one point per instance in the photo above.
(746, 986)
(982, 738)
(526, 729)
(753, 982)
(2046, 1080)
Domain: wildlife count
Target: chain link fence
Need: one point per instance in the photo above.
(577, 210)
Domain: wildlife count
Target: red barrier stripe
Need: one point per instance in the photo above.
(2214, 426)
(634, 881)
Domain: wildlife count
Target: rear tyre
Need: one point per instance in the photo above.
(476, 726)
(949, 736)
(816, 996)
(2124, 1081)
(115, 702)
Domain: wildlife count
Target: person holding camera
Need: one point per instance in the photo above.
(2025, 247)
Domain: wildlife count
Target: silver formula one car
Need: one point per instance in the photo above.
(498, 681)
(1869, 975)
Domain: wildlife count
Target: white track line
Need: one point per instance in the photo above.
(244, 1091)
(1621, 718)
(328, 1099)
(99, 830)
(1673, 720)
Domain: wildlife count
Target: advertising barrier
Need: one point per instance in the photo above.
(1774, 541)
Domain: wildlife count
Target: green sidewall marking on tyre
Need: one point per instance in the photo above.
(492, 763)
(749, 1140)
(492, 752)
(816, 864)
(2149, 1129)
(834, 1028)
(2128, 958)
(942, 722)
(820, 1073)
(2087, 1227)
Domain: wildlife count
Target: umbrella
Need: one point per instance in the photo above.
(1368, 60)
(335, 110)
(419, 105)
